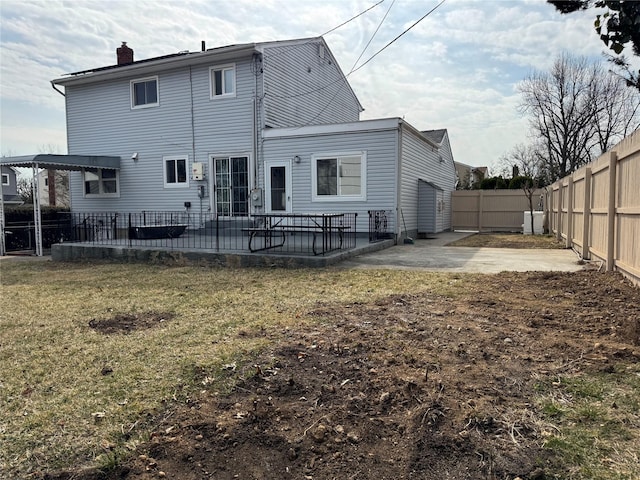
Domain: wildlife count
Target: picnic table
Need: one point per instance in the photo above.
(272, 230)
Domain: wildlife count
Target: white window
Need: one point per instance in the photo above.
(175, 172)
(339, 177)
(5, 179)
(223, 81)
(101, 182)
(144, 92)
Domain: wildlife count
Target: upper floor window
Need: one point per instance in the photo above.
(175, 172)
(5, 179)
(341, 176)
(103, 182)
(223, 81)
(144, 92)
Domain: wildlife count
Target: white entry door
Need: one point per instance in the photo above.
(278, 186)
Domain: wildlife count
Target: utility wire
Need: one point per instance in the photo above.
(352, 18)
(368, 60)
(372, 37)
(392, 41)
(276, 54)
(352, 68)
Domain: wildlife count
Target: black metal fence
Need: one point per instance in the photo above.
(378, 225)
(316, 234)
(21, 236)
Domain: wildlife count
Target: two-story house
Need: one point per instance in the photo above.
(243, 129)
(10, 186)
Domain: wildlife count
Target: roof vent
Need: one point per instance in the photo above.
(125, 54)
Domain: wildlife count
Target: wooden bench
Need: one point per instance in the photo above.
(275, 229)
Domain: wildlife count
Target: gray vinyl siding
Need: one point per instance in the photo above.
(100, 121)
(381, 149)
(448, 174)
(421, 160)
(12, 188)
(301, 88)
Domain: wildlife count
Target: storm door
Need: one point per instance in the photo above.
(231, 186)
(278, 186)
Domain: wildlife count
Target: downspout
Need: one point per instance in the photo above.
(257, 70)
(193, 143)
(59, 91)
(398, 182)
(193, 128)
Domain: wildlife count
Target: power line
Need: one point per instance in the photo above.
(372, 36)
(352, 18)
(365, 63)
(392, 41)
(354, 64)
(276, 54)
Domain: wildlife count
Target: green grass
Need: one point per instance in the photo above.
(597, 420)
(58, 409)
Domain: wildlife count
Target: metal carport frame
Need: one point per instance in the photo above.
(50, 162)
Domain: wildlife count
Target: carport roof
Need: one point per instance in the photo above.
(63, 162)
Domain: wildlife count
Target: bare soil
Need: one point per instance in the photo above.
(415, 386)
(509, 240)
(127, 323)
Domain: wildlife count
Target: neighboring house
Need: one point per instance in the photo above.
(58, 196)
(242, 129)
(10, 186)
(467, 177)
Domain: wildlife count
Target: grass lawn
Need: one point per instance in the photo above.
(70, 393)
(73, 394)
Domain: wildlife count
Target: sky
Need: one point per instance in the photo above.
(458, 68)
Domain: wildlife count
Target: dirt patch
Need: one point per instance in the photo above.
(127, 323)
(509, 240)
(414, 386)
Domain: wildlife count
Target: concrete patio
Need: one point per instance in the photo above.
(433, 254)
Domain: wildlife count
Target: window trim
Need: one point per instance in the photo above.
(222, 68)
(132, 83)
(8, 182)
(339, 198)
(215, 188)
(175, 184)
(101, 193)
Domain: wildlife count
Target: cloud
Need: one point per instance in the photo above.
(456, 69)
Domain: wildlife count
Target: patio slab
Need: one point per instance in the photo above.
(433, 254)
(78, 252)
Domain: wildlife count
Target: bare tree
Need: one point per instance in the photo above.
(617, 28)
(618, 114)
(25, 190)
(577, 110)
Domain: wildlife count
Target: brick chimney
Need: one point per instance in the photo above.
(125, 54)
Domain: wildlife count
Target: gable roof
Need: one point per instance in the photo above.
(182, 59)
(435, 135)
(155, 64)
